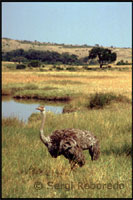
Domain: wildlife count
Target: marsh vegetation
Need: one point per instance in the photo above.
(28, 171)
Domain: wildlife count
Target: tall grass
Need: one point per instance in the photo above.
(26, 161)
(78, 82)
(28, 170)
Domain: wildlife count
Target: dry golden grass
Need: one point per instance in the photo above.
(81, 82)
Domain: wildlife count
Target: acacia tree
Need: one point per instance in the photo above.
(104, 55)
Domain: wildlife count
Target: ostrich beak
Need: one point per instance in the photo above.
(41, 108)
(38, 109)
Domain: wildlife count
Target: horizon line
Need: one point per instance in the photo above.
(54, 43)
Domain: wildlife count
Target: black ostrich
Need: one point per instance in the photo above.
(70, 143)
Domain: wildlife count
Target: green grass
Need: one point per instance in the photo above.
(52, 94)
(47, 92)
(12, 89)
(26, 161)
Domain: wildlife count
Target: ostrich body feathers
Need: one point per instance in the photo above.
(70, 143)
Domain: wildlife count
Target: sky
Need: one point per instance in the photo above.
(77, 23)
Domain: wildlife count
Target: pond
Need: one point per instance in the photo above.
(22, 109)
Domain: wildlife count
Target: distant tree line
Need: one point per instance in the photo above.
(95, 55)
(47, 57)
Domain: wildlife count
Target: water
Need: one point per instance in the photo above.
(23, 109)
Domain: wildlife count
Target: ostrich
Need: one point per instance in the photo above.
(70, 143)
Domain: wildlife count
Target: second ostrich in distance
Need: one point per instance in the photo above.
(70, 143)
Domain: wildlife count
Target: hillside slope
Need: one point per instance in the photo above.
(80, 51)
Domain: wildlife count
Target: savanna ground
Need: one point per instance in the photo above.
(28, 169)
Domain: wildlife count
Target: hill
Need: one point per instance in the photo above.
(79, 50)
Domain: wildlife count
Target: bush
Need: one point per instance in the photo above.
(20, 66)
(99, 100)
(59, 68)
(121, 62)
(34, 63)
(71, 69)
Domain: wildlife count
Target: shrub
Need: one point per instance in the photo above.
(59, 68)
(34, 63)
(121, 62)
(99, 100)
(20, 66)
(71, 68)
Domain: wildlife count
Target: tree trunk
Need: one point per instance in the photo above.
(101, 65)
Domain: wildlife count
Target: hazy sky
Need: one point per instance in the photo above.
(103, 23)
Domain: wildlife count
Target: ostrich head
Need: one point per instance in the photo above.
(41, 108)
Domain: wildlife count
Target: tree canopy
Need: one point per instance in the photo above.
(104, 55)
(48, 57)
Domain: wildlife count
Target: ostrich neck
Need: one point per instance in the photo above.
(43, 121)
(44, 139)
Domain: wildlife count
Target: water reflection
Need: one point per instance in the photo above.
(24, 108)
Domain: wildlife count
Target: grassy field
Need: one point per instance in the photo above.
(27, 168)
(66, 83)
